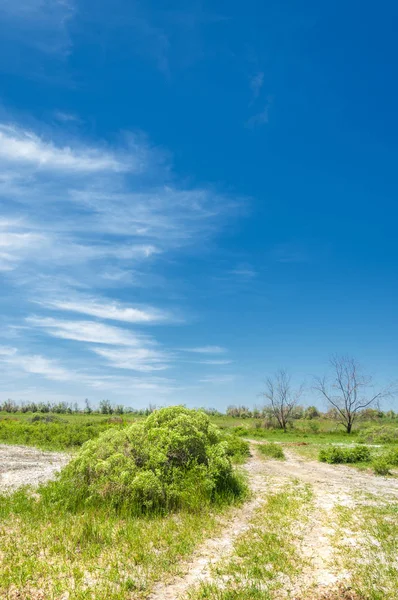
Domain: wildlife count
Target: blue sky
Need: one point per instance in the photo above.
(193, 194)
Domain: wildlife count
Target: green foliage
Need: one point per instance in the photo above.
(311, 412)
(381, 466)
(236, 448)
(271, 451)
(379, 435)
(50, 432)
(174, 459)
(392, 457)
(340, 454)
(265, 558)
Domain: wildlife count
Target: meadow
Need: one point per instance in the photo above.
(193, 506)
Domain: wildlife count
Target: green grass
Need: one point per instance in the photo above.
(70, 431)
(54, 432)
(124, 512)
(344, 455)
(94, 553)
(265, 556)
(372, 560)
(271, 451)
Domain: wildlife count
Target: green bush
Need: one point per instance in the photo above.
(379, 435)
(236, 448)
(174, 459)
(392, 457)
(381, 466)
(271, 450)
(341, 454)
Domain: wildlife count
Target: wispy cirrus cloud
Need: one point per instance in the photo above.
(79, 216)
(114, 311)
(139, 359)
(86, 331)
(21, 146)
(216, 362)
(261, 117)
(207, 350)
(217, 379)
(33, 364)
(37, 365)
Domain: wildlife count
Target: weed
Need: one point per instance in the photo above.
(381, 466)
(339, 454)
(265, 556)
(372, 560)
(379, 435)
(271, 451)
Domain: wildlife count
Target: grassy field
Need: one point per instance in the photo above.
(48, 551)
(92, 548)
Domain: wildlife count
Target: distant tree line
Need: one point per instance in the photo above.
(105, 407)
(348, 391)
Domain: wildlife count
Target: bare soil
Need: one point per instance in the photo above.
(21, 465)
(331, 484)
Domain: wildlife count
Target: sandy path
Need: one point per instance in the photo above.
(331, 484)
(22, 465)
(214, 549)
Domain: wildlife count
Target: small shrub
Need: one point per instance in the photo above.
(174, 459)
(379, 435)
(47, 419)
(272, 451)
(341, 455)
(381, 466)
(237, 449)
(392, 457)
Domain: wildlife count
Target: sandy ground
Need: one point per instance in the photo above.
(331, 484)
(213, 550)
(21, 465)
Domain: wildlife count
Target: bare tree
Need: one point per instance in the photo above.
(281, 397)
(350, 391)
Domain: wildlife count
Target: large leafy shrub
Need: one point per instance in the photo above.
(175, 458)
(341, 454)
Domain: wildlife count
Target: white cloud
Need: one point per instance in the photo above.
(244, 270)
(66, 117)
(207, 349)
(262, 117)
(215, 362)
(17, 243)
(114, 311)
(86, 331)
(217, 380)
(34, 364)
(24, 147)
(75, 220)
(139, 359)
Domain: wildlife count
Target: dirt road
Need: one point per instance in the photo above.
(21, 465)
(331, 484)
